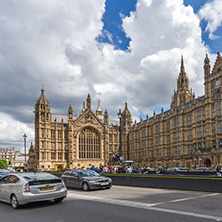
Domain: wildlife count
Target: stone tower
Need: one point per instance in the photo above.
(42, 124)
(183, 94)
(125, 126)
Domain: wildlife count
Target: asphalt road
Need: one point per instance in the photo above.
(121, 204)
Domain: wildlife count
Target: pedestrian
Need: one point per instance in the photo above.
(100, 168)
(110, 169)
(93, 168)
(105, 169)
(114, 169)
(130, 170)
(218, 168)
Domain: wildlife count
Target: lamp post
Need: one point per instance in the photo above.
(120, 142)
(25, 136)
(195, 163)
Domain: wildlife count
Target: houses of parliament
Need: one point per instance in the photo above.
(189, 134)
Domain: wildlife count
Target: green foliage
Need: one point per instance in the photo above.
(3, 163)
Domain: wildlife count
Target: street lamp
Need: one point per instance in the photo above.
(25, 136)
(120, 142)
(195, 163)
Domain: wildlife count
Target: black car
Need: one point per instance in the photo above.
(86, 179)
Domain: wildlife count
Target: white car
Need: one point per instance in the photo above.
(23, 188)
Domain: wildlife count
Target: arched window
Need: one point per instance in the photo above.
(89, 144)
(43, 117)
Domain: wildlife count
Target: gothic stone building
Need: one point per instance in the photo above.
(189, 134)
(67, 141)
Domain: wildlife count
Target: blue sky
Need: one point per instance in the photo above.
(114, 34)
(116, 50)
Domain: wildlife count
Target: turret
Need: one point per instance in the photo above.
(99, 111)
(88, 101)
(126, 119)
(70, 113)
(207, 76)
(106, 118)
(42, 109)
(206, 67)
(83, 107)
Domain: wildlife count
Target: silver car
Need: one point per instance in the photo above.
(23, 188)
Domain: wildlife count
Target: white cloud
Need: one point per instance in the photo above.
(12, 131)
(211, 13)
(54, 43)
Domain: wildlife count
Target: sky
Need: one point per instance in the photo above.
(116, 50)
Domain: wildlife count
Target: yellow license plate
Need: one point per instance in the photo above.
(46, 188)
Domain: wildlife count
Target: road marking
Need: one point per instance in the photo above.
(147, 206)
(192, 198)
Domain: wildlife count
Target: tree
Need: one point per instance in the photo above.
(3, 163)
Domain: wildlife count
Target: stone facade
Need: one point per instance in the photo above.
(189, 134)
(7, 154)
(66, 141)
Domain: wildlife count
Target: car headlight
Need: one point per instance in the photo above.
(110, 180)
(93, 181)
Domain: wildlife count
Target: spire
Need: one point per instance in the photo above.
(42, 99)
(99, 110)
(88, 102)
(206, 60)
(83, 107)
(218, 63)
(42, 90)
(182, 81)
(206, 67)
(182, 69)
(106, 118)
(70, 113)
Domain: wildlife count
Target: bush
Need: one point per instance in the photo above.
(3, 163)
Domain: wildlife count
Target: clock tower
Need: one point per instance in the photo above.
(213, 80)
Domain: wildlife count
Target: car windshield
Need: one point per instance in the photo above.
(88, 174)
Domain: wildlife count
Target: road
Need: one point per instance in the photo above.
(121, 204)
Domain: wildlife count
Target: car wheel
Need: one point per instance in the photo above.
(58, 200)
(85, 186)
(14, 202)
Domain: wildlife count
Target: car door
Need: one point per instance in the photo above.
(66, 178)
(3, 188)
(11, 186)
(74, 180)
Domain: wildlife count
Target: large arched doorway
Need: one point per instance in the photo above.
(207, 163)
(89, 144)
